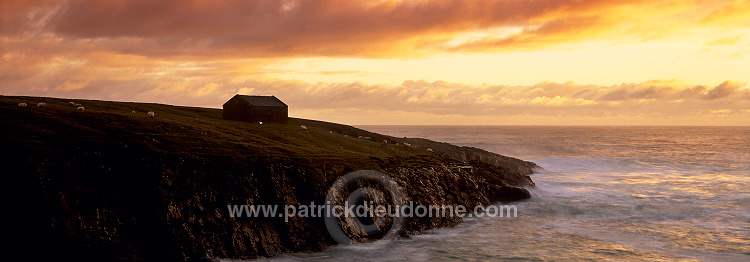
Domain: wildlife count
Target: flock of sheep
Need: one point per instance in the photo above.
(42, 104)
(77, 106)
(151, 114)
(385, 142)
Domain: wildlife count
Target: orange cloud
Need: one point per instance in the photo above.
(322, 28)
(301, 28)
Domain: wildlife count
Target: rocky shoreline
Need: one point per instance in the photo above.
(107, 185)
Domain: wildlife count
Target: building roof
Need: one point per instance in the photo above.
(262, 100)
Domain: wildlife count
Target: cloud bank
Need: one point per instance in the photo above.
(293, 28)
(668, 102)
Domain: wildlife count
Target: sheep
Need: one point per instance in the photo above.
(302, 127)
(42, 104)
(260, 123)
(407, 144)
(430, 149)
(80, 108)
(151, 114)
(22, 105)
(133, 111)
(385, 141)
(72, 103)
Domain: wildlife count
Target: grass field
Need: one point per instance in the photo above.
(192, 130)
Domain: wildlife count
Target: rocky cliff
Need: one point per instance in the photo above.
(112, 183)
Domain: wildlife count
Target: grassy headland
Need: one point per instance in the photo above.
(110, 182)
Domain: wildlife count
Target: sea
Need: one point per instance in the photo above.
(605, 193)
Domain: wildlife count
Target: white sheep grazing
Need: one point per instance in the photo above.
(42, 104)
(151, 114)
(430, 149)
(72, 103)
(80, 108)
(303, 127)
(22, 104)
(76, 105)
(407, 144)
(133, 112)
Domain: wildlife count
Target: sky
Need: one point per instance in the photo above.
(411, 62)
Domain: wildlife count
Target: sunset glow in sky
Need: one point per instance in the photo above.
(506, 62)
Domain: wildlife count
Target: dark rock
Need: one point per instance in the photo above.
(507, 193)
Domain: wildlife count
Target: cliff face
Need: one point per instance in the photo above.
(110, 184)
